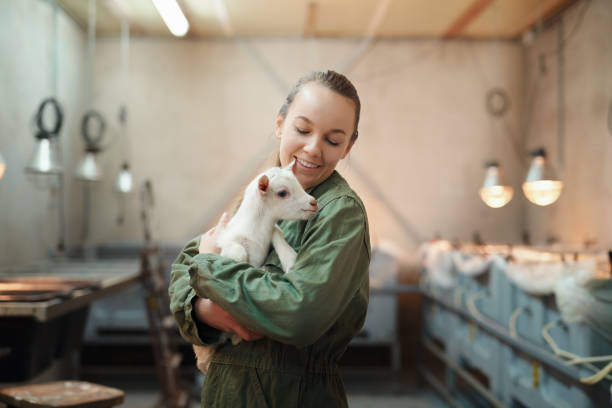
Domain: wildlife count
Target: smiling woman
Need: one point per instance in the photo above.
(299, 323)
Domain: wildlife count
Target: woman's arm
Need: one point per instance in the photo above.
(204, 310)
(301, 305)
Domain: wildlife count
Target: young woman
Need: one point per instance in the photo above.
(296, 325)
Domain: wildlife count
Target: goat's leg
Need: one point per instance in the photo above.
(285, 253)
(204, 355)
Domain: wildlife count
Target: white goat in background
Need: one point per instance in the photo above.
(274, 195)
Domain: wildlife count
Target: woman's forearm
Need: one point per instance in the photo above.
(210, 313)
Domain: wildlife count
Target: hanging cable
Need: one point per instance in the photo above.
(560, 100)
(564, 40)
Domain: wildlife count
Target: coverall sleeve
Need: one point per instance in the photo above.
(182, 297)
(301, 305)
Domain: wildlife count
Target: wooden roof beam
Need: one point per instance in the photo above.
(464, 20)
(311, 19)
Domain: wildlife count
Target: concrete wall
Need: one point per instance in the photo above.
(29, 206)
(201, 110)
(584, 210)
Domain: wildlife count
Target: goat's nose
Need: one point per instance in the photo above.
(313, 204)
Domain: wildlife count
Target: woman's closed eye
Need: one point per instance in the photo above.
(302, 131)
(331, 142)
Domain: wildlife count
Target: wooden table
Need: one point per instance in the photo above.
(51, 328)
(109, 277)
(65, 394)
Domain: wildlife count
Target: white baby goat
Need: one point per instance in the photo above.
(274, 195)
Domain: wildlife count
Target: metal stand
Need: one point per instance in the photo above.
(162, 328)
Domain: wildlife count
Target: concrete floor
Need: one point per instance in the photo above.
(362, 391)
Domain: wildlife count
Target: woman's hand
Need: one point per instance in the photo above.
(208, 241)
(208, 312)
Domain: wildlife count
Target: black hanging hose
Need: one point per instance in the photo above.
(44, 133)
(93, 140)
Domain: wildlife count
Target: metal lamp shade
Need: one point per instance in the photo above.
(89, 170)
(541, 186)
(124, 183)
(494, 192)
(45, 160)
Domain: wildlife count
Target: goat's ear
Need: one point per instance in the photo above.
(290, 166)
(263, 184)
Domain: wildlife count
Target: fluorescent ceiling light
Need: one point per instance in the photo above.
(173, 16)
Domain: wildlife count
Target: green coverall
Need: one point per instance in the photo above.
(308, 315)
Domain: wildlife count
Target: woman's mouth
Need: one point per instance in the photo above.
(307, 164)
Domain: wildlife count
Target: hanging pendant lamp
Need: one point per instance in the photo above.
(494, 192)
(46, 159)
(124, 183)
(89, 170)
(542, 186)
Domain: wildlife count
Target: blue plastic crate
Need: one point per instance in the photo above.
(476, 348)
(535, 385)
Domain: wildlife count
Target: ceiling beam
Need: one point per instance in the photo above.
(464, 20)
(311, 19)
(370, 35)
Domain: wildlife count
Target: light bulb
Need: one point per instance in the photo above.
(542, 192)
(496, 196)
(89, 170)
(494, 192)
(124, 181)
(541, 186)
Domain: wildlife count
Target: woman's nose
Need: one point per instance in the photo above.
(312, 147)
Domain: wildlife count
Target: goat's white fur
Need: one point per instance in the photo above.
(248, 235)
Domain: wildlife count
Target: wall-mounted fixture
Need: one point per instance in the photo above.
(542, 186)
(173, 16)
(46, 159)
(89, 170)
(495, 192)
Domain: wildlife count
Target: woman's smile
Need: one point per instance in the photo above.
(307, 164)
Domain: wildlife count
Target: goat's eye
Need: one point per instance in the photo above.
(283, 193)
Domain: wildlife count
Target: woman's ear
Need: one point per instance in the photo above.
(278, 125)
(348, 148)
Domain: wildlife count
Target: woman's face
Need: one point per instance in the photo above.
(316, 132)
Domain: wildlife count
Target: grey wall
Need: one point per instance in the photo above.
(28, 207)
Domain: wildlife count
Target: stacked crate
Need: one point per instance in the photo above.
(518, 367)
